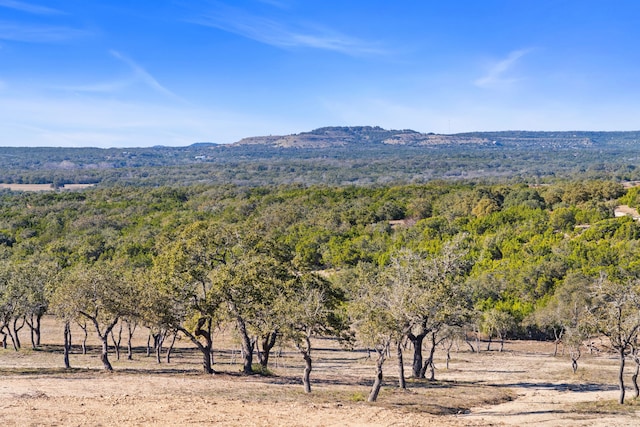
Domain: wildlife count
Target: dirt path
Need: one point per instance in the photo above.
(549, 405)
(35, 391)
(169, 401)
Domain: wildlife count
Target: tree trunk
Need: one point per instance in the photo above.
(116, 343)
(466, 339)
(428, 364)
(448, 356)
(268, 341)
(247, 347)
(204, 349)
(416, 341)
(306, 354)
(377, 384)
(67, 344)
(104, 356)
(170, 349)
(489, 343)
(501, 342)
(149, 344)
(83, 326)
(621, 376)
(557, 338)
(203, 329)
(634, 377)
(38, 329)
(13, 341)
(33, 334)
(104, 337)
(575, 354)
(158, 341)
(16, 330)
(306, 381)
(130, 331)
(401, 380)
(34, 327)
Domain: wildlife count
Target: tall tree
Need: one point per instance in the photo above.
(311, 306)
(615, 313)
(249, 286)
(32, 275)
(379, 316)
(181, 296)
(566, 315)
(440, 298)
(98, 293)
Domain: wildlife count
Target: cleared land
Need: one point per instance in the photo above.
(523, 385)
(43, 187)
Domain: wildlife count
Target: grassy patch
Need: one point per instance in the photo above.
(608, 407)
(261, 370)
(444, 398)
(357, 396)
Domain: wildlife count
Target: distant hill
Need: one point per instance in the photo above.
(359, 155)
(329, 137)
(367, 136)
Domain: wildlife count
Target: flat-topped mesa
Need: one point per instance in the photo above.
(332, 137)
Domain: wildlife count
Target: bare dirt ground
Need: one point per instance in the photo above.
(523, 385)
(43, 187)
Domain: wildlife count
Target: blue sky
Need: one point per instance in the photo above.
(173, 72)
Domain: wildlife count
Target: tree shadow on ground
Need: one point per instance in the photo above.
(582, 387)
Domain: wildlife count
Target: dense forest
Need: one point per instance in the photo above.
(372, 266)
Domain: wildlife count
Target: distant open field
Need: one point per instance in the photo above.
(523, 385)
(43, 187)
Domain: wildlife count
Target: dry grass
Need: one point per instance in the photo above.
(479, 388)
(631, 406)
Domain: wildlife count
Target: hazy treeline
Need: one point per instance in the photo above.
(505, 157)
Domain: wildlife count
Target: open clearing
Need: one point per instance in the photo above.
(43, 187)
(522, 385)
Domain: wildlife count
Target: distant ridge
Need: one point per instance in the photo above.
(330, 137)
(367, 136)
(203, 144)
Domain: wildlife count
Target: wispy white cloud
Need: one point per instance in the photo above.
(90, 120)
(276, 3)
(29, 8)
(102, 87)
(37, 34)
(498, 72)
(142, 75)
(278, 34)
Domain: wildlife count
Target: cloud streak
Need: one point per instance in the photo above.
(37, 34)
(141, 74)
(277, 34)
(275, 3)
(29, 8)
(104, 87)
(497, 72)
(88, 120)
